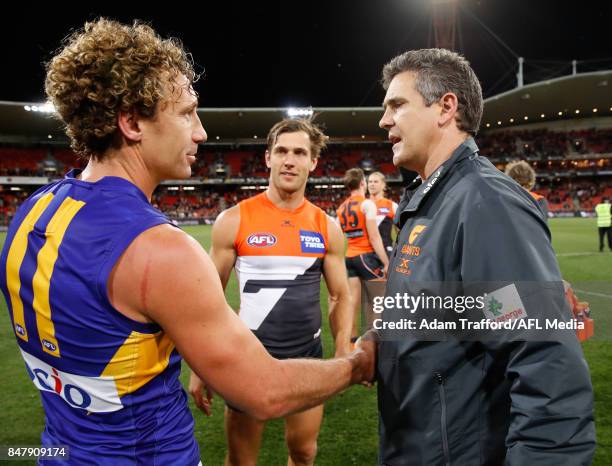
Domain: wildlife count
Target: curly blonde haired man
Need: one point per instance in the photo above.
(104, 293)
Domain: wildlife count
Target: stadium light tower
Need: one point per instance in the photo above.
(444, 22)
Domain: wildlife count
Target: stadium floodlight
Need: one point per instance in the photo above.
(594, 110)
(560, 113)
(296, 112)
(42, 108)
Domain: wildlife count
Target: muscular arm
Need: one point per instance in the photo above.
(334, 271)
(222, 251)
(369, 210)
(179, 288)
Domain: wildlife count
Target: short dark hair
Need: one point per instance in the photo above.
(353, 178)
(292, 125)
(438, 71)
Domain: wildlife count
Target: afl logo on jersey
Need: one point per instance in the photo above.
(261, 240)
(50, 346)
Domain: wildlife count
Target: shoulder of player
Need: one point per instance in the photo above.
(314, 207)
(164, 241)
(226, 225)
(368, 205)
(229, 215)
(158, 252)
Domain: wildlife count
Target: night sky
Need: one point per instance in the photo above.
(324, 54)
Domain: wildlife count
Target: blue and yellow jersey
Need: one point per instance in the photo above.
(109, 385)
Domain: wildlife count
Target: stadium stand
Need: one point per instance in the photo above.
(574, 171)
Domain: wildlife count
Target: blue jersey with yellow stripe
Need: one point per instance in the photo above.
(109, 385)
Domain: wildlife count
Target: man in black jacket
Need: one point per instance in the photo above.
(469, 232)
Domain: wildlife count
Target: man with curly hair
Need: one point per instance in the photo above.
(104, 293)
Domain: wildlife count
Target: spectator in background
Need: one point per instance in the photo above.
(521, 172)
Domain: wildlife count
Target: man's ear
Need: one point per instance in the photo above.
(267, 157)
(128, 123)
(313, 164)
(448, 108)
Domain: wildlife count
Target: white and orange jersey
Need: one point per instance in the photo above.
(279, 262)
(385, 212)
(353, 224)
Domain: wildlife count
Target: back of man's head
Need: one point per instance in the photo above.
(521, 172)
(437, 72)
(353, 178)
(106, 68)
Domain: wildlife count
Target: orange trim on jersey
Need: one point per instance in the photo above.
(536, 196)
(268, 230)
(353, 224)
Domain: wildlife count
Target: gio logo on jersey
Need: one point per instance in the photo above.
(261, 240)
(95, 394)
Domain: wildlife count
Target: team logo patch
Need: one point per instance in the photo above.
(261, 240)
(416, 231)
(49, 345)
(312, 242)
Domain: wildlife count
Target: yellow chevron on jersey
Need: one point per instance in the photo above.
(141, 357)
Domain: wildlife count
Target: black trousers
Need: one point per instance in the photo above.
(605, 231)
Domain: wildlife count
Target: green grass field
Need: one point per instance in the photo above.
(349, 432)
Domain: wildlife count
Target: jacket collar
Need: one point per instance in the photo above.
(418, 190)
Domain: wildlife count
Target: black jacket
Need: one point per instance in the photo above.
(479, 402)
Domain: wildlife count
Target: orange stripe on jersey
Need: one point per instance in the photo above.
(353, 223)
(267, 230)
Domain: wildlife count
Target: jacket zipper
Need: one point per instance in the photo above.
(440, 381)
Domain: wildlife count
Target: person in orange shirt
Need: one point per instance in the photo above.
(366, 258)
(279, 245)
(521, 172)
(385, 208)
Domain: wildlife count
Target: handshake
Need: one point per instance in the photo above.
(297, 384)
(364, 357)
